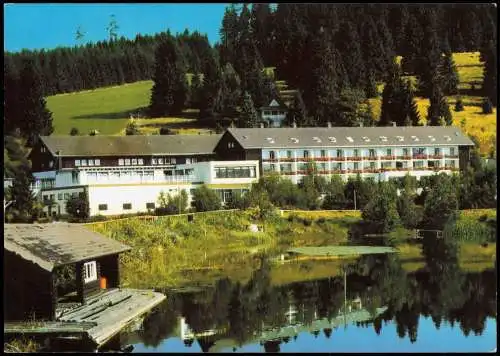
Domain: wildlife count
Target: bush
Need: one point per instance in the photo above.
(459, 105)
(166, 131)
(132, 129)
(487, 106)
(78, 208)
(307, 222)
(74, 131)
(321, 221)
(205, 199)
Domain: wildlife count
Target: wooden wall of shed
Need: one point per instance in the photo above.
(86, 290)
(29, 290)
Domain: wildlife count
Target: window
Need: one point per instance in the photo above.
(405, 152)
(127, 206)
(452, 151)
(323, 153)
(66, 196)
(84, 162)
(356, 153)
(286, 167)
(272, 155)
(356, 165)
(372, 165)
(289, 154)
(121, 162)
(77, 162)
(160, 160)
(339, 153)
(127, 161)
(103, 207)
(97, 162)
(89, 272)
(74, 195)
(306, 154)
(140, 161)
(437, 152)
(154, 161)
(134, 161)
(59, 196)
(371, 152)
(389, 152)
(150, 205)
(91, 162)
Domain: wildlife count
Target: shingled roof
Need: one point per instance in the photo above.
(349, 136)
(52, 245)
(130, 145)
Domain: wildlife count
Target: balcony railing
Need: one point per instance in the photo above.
(288, 173)
(322, 159)
(305, 159)
(270, 160)
(420, 156)
(388, 157)
(356, 158)
(371, 158)
(338, 159)
(287, 159)
(404, 157)
(435, 156)
(451, 156)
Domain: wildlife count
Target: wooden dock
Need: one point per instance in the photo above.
(102, 317)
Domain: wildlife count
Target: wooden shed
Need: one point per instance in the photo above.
(50, 268)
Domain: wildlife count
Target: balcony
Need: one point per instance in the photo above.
(323, 172)
(371, 170)
(355, 171)
(403, 169)
(286, 159)
(270, 160)
(357, 158)
(436, 156)
(388, 157)
(404, 157)
(371, 158)
(305, 159)
(337, 159)
(420, 156)
(322, 159)
(451, 156)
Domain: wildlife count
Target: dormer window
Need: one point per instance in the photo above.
(448, 138)
(349, 138)
(400, 138)
(366, 139)
(332, 139)
(383, 138)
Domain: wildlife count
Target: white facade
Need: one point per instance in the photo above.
(378, 162)
(274, 114)
(127, 190)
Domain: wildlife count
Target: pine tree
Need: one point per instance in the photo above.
(249, 116)
(211, 84)
(438, 113)
(371, 90)
(229, 93)
(297, 112)
(229, 35)
(11, 96)
(169, 89)
(195, 91)
(449, 75)
(489, 53)
(391, 107)
(21, 193)
(459, 105)
(410, 115)
(35, 119)
(348, 45)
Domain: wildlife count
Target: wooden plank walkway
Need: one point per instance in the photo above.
(113, 311)
(47, 327)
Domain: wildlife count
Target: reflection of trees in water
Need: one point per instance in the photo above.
(440, 291)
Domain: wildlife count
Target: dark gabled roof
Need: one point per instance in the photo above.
(280, 105)
(52, 245)
(72, 146)
(339, 136)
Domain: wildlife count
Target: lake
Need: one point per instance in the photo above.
(373, 306)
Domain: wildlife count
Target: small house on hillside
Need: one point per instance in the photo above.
(50, 267)
(274, 113)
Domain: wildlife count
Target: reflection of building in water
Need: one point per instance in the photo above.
(271, 336)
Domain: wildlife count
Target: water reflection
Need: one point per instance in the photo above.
(378, 294)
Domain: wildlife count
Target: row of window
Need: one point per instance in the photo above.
(167, 160)
(87, 162)
(125, 206)
(371, 152)
(130, 161)
(62, 196)
(274, 112)
(235, 172)
(287, 167)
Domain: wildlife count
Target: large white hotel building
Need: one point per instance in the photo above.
(125, 174)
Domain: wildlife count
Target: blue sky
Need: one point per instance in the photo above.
(358, 339)
(36, 26)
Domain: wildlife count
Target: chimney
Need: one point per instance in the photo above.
(329, 124)
(294, 125)
(394, 124)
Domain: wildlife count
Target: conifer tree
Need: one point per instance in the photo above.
(449, 75)
(490, 86)
(229, 93)
(169, 89)
(438, 113)
(297, 112)
(391, 98)
(34, 117)
(249, 116)
(348, 43)
(410, 115)
(20, 192)
(211, 84)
